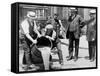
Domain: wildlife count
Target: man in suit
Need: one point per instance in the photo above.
(29, 28)
(91, 34)
(76, 22)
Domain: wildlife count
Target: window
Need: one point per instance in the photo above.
(40, 13)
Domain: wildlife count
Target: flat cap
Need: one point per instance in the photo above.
(49, 26)
(73, 9)
(93, 11)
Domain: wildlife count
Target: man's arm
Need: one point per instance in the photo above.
(54, 34)
(61, 28)
(36, 29)
(82, 22)
(30, 38)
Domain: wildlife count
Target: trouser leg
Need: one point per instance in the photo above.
(93, 50)
(59, 52)
(27, 55)
(90, 49)
(76, 47)
(27, 51)
(70, 47)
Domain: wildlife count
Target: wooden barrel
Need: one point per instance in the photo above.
(36, 55)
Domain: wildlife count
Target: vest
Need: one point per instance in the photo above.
(74, 23)
(31, 30)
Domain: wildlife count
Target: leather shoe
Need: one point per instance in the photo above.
(75, 59)
(91, 60)
(70, 58)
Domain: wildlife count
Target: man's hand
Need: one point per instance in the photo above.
(39, 35)
(93, 39)
(49, 37)
(34, 41)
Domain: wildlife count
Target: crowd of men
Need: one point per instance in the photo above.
(54, 31)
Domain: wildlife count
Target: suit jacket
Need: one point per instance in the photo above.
(75, 25)
(91, 29)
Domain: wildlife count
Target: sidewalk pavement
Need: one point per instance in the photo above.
(80, 63)
(83, 53)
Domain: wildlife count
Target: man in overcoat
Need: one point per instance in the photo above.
(91, 34)
(76, 23)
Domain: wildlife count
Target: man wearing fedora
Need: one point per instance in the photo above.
(76, 22)
(91, 34)
(29, 28)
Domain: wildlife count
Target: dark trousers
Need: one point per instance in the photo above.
(92, 48)
(27, 49)
(72, 39)
(27, 52)
(57, 44)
